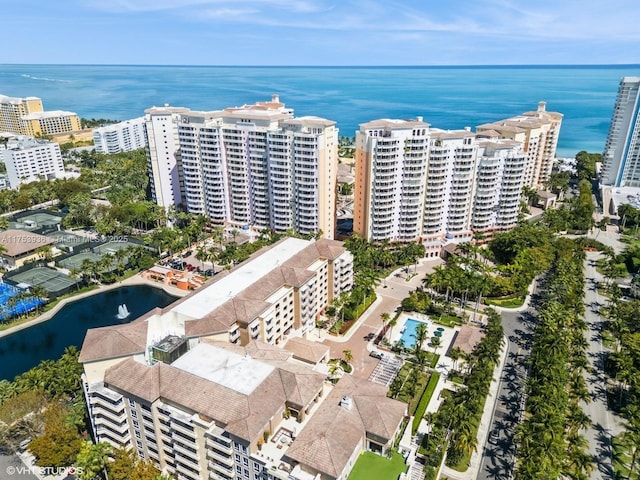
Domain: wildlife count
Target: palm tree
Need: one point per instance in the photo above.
(420, 336)
(435, 343)
(392, 323)
(347, 356)
(39, 293)
(74, 274)
(385, 316)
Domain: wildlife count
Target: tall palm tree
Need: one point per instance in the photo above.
(384, 316)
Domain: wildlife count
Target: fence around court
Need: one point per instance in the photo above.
(54, 282)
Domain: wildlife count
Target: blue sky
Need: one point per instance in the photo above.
(320, 32)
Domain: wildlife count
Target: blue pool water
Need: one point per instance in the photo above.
(409, 332)
(20, 307)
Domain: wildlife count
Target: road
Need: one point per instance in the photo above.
(497, 459)
(605, 423)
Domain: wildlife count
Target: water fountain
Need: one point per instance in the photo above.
(123, 312)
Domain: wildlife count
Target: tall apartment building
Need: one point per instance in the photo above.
(416, 183)
(258, 165)
(12, 110)
(538, 132)
(120, 137)
(224, 385)
(163, 154)
(28, 159)
(621, 157)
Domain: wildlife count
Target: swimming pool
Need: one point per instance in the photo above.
(409, 332)
(21, 306)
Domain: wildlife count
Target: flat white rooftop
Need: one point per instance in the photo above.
(239, 373)
(211, 297)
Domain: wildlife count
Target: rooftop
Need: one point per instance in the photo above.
(19, 242)
(48, 114)
(240, 373)
(206, 300)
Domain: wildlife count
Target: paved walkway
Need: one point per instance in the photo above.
(389, 294)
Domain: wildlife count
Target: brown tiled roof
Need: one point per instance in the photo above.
(306, 350)
(136, 378)
(245, 416)
(115, 341)
(329, 249)
(467, 339)
(19, 242)
(333, 433)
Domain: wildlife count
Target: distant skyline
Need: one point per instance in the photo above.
(320, 32)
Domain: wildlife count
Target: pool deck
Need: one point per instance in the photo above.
(447, 336)
(135, 280)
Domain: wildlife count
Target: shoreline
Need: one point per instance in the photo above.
(134, 280)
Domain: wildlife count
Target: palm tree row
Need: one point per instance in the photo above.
(459, 416)
(624, 367)
(549, 441)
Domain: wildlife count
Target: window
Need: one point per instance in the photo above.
(245, 462)
(237, 457)
(238, 469)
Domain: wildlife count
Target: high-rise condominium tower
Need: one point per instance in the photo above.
(165, 177)
(538, 132)
(120, 137)
(256, 165)
(621, 158)
(415, 183)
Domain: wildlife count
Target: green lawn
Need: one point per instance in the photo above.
(621, 460)
(463, 464)
(446, 320)
(513, 302)
(424, 401)
(370, 466)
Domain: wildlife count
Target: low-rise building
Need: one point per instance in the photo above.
(28, 159)
(20, 246)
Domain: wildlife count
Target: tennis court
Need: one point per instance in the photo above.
(68, 241)
(49, 279)
(21, 306)
(37, 220)
(75, 261)
(111, 247)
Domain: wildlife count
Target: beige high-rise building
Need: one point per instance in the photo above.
(12, 109)
(257, 165)
(25, 116)
(538, 132)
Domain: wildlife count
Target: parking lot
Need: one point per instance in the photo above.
(386, 370)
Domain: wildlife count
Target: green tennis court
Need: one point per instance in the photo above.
(75, 261)
(51, 280)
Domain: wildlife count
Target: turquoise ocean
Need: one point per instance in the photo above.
(447, 97)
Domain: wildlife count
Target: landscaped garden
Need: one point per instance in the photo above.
(370, 466)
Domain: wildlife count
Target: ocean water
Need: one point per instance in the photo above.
(447, 97)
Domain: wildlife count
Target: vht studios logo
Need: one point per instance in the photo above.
(43, 471)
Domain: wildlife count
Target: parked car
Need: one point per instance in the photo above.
(494, 436)
(378, 355)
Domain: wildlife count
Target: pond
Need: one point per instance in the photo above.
(26, 348)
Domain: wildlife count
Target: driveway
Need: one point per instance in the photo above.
(389, 293)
